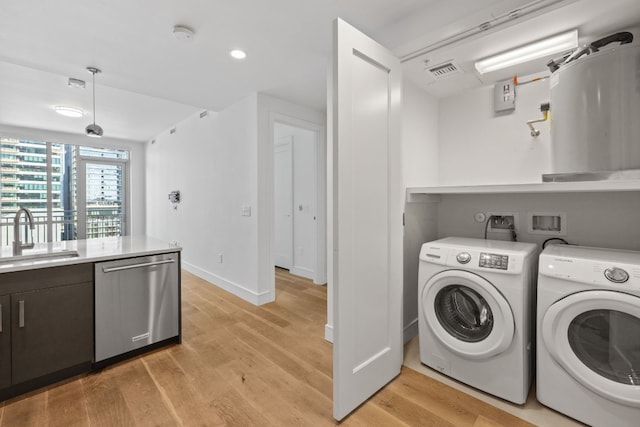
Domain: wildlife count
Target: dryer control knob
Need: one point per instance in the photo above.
(616, 275)
(463, 257)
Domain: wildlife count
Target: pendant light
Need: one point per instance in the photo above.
(93, 129)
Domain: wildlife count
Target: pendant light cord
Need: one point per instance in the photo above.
(94, 96)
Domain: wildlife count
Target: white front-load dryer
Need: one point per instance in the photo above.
(476, 299)
(588, 345)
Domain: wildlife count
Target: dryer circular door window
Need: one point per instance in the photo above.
(595, 337)
(467, 314)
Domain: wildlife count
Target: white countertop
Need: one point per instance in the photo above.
(90, 250)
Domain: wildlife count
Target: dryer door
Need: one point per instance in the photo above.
(467, 314)
(595, 337)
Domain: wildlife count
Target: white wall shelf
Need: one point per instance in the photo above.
(427, 194)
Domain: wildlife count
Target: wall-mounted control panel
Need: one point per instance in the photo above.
(504, 96)
(174, 198)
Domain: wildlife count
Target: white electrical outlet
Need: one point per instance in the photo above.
(219, 258)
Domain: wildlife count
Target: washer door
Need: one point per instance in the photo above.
(467, 314)
(595, 337)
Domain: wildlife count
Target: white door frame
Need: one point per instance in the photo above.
(81, 200)
(320, 271)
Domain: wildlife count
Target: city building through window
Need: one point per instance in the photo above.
(74, 192)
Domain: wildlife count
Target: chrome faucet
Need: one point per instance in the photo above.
(18, 246)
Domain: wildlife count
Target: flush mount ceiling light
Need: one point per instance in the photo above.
(238, 54)
(529, 52)
(93, 129)
(69, 111)
(182, 32)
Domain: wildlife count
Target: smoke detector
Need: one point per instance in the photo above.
(182, 32)
(444, 70)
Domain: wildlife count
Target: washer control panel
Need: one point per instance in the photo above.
(497, 261)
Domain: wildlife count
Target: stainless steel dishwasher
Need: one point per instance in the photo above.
(137, 303)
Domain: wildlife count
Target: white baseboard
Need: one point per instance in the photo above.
(302, 272)
(410, 330)
(328, 333)
(227, 285)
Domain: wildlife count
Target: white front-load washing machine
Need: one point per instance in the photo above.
(476, 305)
(588, 345)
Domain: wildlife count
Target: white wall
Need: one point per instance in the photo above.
(220, 163)
(420, 126)
(136, 163)
(479, 146)
(601, 219)
(213, 162)
(304, 197)
(420, 168)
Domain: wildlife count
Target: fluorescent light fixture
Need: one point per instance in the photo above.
(539, 49)
(238, 54)
(68, 111)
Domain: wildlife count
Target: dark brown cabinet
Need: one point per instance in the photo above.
(47, 326)
(5, 341)
(52, 329)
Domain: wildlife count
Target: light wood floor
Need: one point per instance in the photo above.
(241, 365)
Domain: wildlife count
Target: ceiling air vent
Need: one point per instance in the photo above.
(444, 70)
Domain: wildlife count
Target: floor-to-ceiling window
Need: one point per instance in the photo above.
(73, 192)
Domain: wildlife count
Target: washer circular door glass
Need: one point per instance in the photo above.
(464, 313)
(467, 314)
(594, 336)
(607, 342)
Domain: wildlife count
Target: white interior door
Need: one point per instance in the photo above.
(367, 212)
(283, 190)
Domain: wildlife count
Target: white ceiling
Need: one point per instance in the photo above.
(150, 81)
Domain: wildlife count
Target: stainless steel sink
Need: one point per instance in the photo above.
(40, 256)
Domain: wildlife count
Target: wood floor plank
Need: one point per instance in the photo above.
(235, 411)
(445, 400)
(143, 397)
(187, 404)
(106, 406)
(65, 406)
(27, 411)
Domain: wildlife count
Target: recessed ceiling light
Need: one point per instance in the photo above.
(238, 54)
(69, 111)
(182, 32)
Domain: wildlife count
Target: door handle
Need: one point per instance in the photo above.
(129, 267)
(21, 314)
